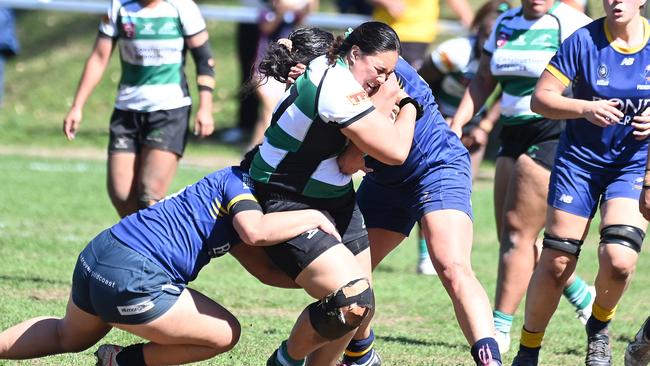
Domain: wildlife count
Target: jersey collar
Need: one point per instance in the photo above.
(628, 50)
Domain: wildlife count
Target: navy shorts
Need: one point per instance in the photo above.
(447, 186)
(538, 140)
(575, 188)
(162, 130)
(119, 285)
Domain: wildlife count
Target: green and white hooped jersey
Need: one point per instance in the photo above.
(521, 49)
(301, 146)
(457, 60)
(152, 52)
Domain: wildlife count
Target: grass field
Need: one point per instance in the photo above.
(51, 207)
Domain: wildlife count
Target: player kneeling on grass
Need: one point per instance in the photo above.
(133, 276)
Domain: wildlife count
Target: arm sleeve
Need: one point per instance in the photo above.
(566, 62)
(341, 100)
(191, 18)
(491, 43)
(108, 24)
(238, 194)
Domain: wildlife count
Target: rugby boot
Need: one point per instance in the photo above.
(638, 351)
(599, 352)
(374, 360)
(106, 354)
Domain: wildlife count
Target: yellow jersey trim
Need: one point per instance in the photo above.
(629, 50)
(558, 74)
(241, 197)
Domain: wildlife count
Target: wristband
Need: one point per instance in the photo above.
(418, 107)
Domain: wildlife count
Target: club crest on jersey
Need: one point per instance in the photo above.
(646, 79)
(503, 37)
(357, 98)
(128, 29)
(603, 73)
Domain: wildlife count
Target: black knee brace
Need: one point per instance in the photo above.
(626, 235)
(343, 310)
(570, 246)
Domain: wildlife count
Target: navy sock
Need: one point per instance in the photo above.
(595, 326)
(646, 329)
(359, 350)
(485, 350)
(131, 356)
(529, 350)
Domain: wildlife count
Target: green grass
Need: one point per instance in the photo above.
(51, 207)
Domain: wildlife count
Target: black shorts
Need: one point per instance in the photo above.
(162, 130)
(538, 140)
(294, 255)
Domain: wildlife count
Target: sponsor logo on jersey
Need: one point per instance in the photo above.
(503, 37)
(147, 28)
(168, 28)
(629, 107)
(566, 198)
(357, 98)
(646, 78)
(136, 309)
(219, 251)
(628, 61)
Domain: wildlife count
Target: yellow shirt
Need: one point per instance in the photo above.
(418, 23)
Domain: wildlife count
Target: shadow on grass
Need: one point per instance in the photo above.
(23, 279)
(419, 342)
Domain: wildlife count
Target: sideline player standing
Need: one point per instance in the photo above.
(600, 160)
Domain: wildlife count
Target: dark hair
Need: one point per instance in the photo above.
(307, 44)
(247, 160)
(370, 37)
(487, 13)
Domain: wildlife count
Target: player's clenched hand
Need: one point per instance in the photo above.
(71, 123)
(602, 113)
(641, 125)
(327, 226)
(204, 123)
(295, 72)
(351, 160)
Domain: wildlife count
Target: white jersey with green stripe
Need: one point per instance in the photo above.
(152, 51)
(521, 48)
(301, 146)
(457, 60)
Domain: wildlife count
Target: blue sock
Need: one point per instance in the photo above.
(529, 350)
(359, 350)
(282, 357)
(578, 293)
(485, 350)
(502, 321)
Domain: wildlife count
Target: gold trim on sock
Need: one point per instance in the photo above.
(530, 339)
(360, 353)
(602, 314)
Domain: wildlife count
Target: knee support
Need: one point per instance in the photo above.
(343, 310)
(570, 246)
(626, 235)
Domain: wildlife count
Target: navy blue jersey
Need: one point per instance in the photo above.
(433, 142)
(597, 69)
(184, 231)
